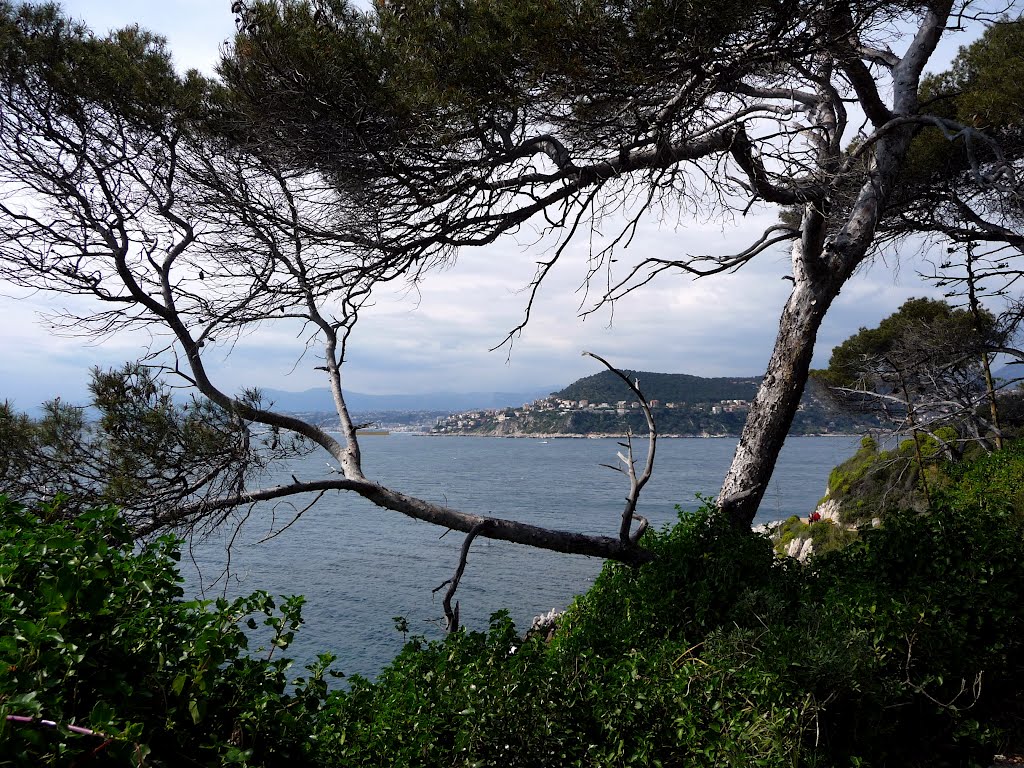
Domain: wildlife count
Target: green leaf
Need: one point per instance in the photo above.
(179, 683)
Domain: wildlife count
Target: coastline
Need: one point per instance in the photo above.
(615, 435)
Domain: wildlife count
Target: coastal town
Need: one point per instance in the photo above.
(479, 418)
(559, 417)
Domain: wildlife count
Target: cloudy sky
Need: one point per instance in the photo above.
(437, 339)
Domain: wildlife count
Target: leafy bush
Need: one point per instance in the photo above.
(932, 602)
(906, 647)
(872, 483)
(94, 634)
(474, 699)
(625, 681)
(992, 482)
(825, 534)
(704, 568)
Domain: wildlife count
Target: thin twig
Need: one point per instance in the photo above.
(294, 519)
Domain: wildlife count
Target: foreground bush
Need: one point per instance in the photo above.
(993, 481)
(94, 635)
(906, 648)
(873, 482)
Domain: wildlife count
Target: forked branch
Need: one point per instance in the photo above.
(452, 614)
(628, 462)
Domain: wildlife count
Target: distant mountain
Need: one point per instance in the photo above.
(606, 387)
(320, 399)
(1009, 373)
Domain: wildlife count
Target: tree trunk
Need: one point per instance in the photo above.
(993, 403)
(821, 266)
(775, 404)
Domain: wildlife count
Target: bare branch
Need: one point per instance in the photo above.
(452, 614)
(692, 263)
(882, 56)
(636, 482)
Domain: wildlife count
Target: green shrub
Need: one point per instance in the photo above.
(904, 648)
(704, 567)
(826, 535)
(933, 602)
(94, 633)
(842, 479)
(993, 481)
(872, 483)
(477, 698)
(719, 653)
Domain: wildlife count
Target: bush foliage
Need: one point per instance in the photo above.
(993, 481)
(94, 633)
(906, 647)
(825, 535)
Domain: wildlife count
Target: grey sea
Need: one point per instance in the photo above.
(359, 566)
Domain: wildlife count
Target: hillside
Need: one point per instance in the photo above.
(682, 405)
(606, 387)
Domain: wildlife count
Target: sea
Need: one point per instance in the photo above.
(359, 566)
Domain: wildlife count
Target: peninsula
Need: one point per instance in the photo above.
(682, 406)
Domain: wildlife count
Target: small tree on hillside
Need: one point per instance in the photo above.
(969, 274)
(973, 223)
(921, 369)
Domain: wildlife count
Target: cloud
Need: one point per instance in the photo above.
(440, 336)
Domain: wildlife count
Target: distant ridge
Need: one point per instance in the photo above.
(600, 387)
(606, 387)
(1009, 372)
(682, 405)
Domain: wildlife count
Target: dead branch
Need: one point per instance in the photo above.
(628, 468)
(452, 614)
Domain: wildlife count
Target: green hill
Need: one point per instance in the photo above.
(606, 387)
(681, 404)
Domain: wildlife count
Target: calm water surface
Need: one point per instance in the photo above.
(359, 566)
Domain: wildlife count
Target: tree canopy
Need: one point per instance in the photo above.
(923, 368)
(167, 216)
(851, 360)
(467, 119)
(344, 149)
(956, 192)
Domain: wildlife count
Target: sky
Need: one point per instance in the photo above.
(438, 337)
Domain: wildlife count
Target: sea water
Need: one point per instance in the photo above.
(359, 566)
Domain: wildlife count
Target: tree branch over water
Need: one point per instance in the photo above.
(174, 227)
(613, 115)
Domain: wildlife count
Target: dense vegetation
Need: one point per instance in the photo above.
(94, 633)
(876, 482)
(902, 649)
(906, 647)
(927, 368)
(606, 387)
